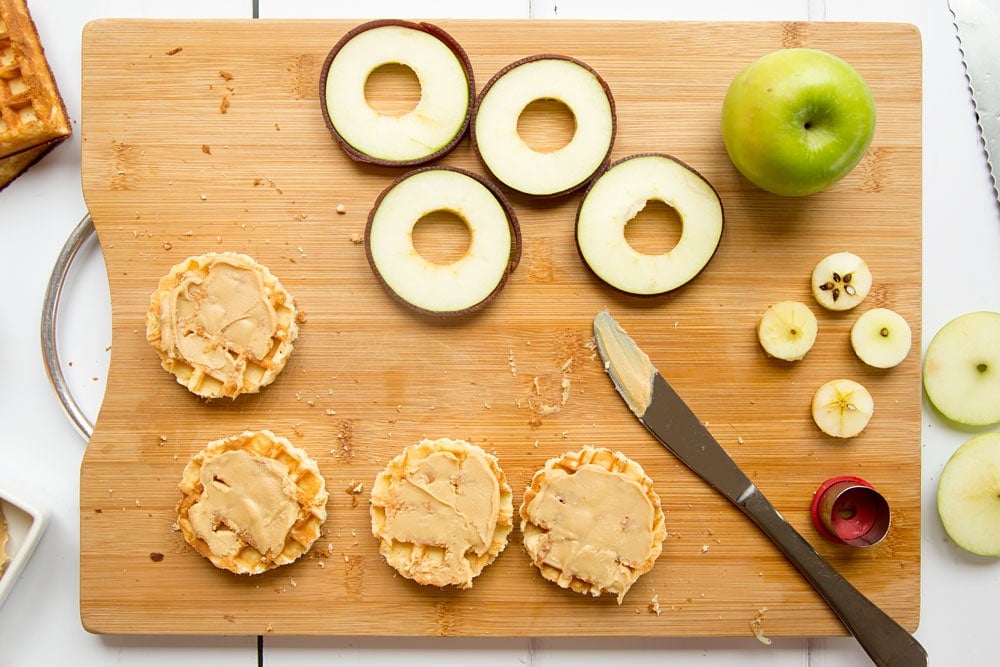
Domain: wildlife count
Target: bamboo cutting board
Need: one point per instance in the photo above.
(207, 136)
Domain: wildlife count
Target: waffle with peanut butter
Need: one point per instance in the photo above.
(592, 522)
(33, 118)
(251, 502)
(222, 324)
(4, 536)
(442, 511)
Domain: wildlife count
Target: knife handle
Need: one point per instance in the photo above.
(886, 642)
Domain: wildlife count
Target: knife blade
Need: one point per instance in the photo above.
(665, 414)
(978, 25)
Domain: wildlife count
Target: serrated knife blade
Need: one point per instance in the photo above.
(978, 26)
(665, 414)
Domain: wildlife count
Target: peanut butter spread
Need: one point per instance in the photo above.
(628, 365)
(3, 542)
(442, 511)
(222, 323)
(592, 522)
(251, 502)
(246, 500)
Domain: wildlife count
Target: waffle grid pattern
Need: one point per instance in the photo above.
(33, 119)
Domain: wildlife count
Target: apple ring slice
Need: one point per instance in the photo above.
(510, 159)
(624, 189)
(448, 289)
(428, 131)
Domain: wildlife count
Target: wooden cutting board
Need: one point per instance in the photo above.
(207, 136)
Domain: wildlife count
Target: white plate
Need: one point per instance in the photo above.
(25, 525)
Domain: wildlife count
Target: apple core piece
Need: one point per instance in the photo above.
(962, 369)
(787, 330)
(443, 288)
(618, 194)
(881, 338)
(968, 496)
(428, 131)
(842, 408)
(841, 281)
(510, 159)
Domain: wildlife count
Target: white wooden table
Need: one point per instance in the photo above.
(40, 452)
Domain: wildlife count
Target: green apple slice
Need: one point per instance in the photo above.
(796, 121)
(968, 496)
(962, 369)
(428, 131)
(504, 98)
(618, 194)
(881, 338)
(451, 288)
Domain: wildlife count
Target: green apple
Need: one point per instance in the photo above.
(962, 369)
(968, 496)
(796, 121)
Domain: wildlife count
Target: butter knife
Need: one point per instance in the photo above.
(978, 25)
(672, 422)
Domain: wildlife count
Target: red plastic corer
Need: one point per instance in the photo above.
(848, 510)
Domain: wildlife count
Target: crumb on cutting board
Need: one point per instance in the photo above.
(757, 626)
(654, 605)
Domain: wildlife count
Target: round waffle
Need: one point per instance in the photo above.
(442, 511)
(222, 324)
(592, 522)
(251, 502)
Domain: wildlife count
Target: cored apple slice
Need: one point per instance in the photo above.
(432, 128)
(968, 496)
(504, 98)
(448, 288)
(962, 369)
(624, 189)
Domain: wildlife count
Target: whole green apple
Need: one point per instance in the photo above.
(796, 121)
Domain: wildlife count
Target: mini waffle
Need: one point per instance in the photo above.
(592, 522)
(442, 511)
(33, 118)
(222, 324)
(3, 542)
(225, 482)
